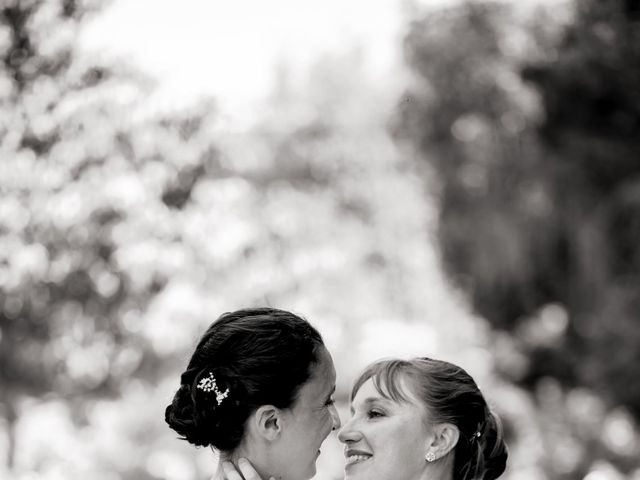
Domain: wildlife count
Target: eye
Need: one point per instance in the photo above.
(329, 402)
(374, 413)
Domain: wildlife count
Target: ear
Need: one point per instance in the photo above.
(445, 438)
(267, 422)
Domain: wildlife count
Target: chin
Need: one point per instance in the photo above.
(362, 474)
(309, 473)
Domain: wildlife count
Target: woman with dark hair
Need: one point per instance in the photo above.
(417, 419)
(259, 386)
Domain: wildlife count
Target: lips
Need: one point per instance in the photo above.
(356, 456)
(357, 459)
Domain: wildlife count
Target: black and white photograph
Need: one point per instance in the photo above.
(320, 240)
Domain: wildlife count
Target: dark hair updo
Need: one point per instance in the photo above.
(259, 356)
(451, 396)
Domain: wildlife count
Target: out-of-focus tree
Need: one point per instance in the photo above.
(122, 239)
(590, 91)
(81, 186)
(531, 134)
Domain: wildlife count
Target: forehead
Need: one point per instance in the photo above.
(368, 393)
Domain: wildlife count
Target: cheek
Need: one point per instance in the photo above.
(315, 428)
(402, 446)
(323, 421)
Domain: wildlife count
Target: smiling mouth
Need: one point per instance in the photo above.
(353, 459)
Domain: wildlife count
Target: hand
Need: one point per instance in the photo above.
(247, 470)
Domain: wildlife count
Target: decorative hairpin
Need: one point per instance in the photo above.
(475, 436)
(209, 385)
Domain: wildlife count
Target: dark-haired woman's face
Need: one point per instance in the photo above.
(309, 421)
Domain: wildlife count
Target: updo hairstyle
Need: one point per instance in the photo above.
(450, 396)
(259, 356)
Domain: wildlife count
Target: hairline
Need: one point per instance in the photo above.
(392, 380)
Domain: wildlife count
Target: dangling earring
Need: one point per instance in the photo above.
(430, 457)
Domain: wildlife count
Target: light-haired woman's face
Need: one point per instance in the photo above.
(309, 422)
(384, 439)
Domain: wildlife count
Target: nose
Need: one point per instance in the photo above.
(348, 433)
(335, 418)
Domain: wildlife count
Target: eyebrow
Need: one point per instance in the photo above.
(369, 401)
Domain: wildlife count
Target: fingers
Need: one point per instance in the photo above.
(248, 471)
(230, 472)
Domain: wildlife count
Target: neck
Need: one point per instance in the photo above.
(219, 473)
(255, 457)
(439, 470)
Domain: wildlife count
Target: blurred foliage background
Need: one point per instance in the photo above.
(482, 206)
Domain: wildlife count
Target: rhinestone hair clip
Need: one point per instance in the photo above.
(475, 436)
(209, 385)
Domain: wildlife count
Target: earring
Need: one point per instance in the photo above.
(430, 457)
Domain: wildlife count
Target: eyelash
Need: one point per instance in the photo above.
(374, 414)
(329, 402)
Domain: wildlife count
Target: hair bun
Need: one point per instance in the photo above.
(207, 411)
(182, 417)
